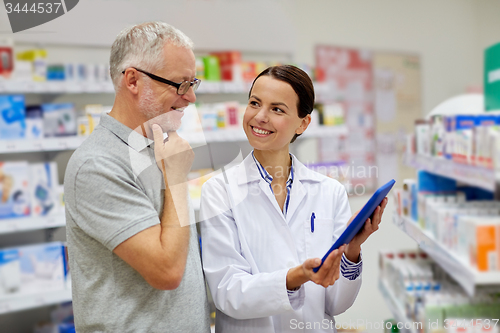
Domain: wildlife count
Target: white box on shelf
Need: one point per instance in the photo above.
(42, 268)
(14, 189)
(10, 272)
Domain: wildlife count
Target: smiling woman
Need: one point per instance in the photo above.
(267, 220)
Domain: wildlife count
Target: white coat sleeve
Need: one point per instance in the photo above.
(235, 289)
(343, 293)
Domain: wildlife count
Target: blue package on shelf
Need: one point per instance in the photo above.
(429, 182)
(66, 328)
(475, 193)
(34, 122)
(12, 117)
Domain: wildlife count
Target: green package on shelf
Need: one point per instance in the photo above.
(492, 78)
(212, 68)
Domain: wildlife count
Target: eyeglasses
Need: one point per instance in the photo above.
(182, 87)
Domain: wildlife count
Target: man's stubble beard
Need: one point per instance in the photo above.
(150, 108)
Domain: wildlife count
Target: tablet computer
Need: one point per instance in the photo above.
(359, 221)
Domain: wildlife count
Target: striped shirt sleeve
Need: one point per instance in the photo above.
(350, 270)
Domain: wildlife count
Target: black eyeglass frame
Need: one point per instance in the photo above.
(195, 84)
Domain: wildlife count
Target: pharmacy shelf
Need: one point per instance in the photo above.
(31, 223)
(469, 174)
(394, 305)
(35, 145)
(76, 87)
(459, 269)
(223, 135)
(82, 87)
(12, 303)
(54, 87)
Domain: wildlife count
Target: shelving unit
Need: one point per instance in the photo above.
(37, 145)
(73, 142)
(394, 306)
(31, 223)
(469, 278)
(77, 87)
(11, 303)
(469, 174)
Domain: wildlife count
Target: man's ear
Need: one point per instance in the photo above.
(131, 80)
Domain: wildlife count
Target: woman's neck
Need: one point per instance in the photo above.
(277, 164)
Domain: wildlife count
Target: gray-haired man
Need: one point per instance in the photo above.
(133, 249)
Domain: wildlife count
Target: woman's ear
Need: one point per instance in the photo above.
(304, 124)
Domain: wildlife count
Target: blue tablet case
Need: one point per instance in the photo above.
(360, 219)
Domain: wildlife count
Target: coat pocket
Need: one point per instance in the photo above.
(319, 240)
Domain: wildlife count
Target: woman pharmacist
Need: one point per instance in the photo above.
(267, 221)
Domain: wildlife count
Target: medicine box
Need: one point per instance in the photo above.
(484, 242)
(34, 122)
(59, 119)
(42, 267)
(10, 277)
(44, 188)
(14, 189)
(12, 117)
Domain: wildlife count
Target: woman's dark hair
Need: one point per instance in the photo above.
(299, 81)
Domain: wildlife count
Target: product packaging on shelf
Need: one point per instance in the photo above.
(249, 70)
(10, 272)
(34, 122)
(59, 119)
(422, 137)
(191, 122)
(212, 68)
(230, 65)
(482, 152)
(32, 269)
(12, 117)
(6, 58)
(200, 68)
(463, 142)
(409, 198)
(14, 190)
(429, 296)
(437, 136)
(484, 242)
(44, 188)
(37, 58)
(42, 267)
(91, 119)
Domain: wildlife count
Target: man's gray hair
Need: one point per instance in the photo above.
(142, 46)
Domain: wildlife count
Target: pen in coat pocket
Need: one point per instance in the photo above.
(312, 221)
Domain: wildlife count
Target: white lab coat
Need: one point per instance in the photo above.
(248, 246)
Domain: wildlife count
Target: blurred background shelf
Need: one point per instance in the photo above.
(12, 303)
(468, 174)
(394, 305)
(37, 145)
(76, 87)
(468, 277)
(31, 223)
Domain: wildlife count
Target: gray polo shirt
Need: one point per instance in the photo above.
(113, 190)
